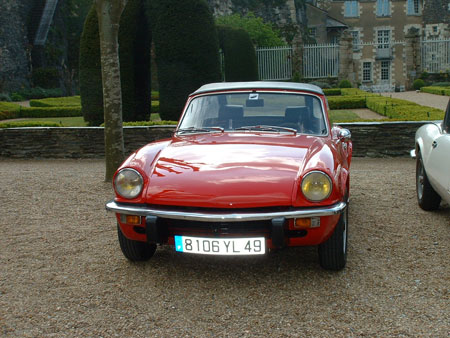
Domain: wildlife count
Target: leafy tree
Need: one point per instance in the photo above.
(261, 34)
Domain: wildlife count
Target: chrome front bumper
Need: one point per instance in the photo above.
(214, 216)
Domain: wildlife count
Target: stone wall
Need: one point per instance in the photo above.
(371, 139)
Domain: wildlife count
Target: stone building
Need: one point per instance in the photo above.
(380, 28)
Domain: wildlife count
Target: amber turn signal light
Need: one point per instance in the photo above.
(130, 219)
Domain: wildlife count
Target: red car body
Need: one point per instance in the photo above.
(239, 183)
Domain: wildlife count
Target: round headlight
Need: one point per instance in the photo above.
(316, 186)
(128, 183)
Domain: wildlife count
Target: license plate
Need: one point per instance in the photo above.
(221, 246)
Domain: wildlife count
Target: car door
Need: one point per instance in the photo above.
(439, 160)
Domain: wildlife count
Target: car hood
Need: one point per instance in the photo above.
(228, 171)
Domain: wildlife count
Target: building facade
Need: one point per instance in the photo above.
(379, 29)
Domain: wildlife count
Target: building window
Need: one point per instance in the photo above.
(351, 9)
(384, 38)
(312, 32)
(385, 70)
(367, 71)
(383, 8)
(413, 7)
(435, 29)
(355, 35)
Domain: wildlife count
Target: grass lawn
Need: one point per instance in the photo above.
(343, 116)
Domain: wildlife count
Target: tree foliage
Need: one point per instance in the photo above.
(261, 33)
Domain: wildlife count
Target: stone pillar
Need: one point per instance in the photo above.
(297, 43)
(413, 58)
(346, 64)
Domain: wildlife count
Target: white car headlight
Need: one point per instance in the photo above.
(316, 186)
(128, 183)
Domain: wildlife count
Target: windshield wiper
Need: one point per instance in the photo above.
(267, 128)
(200, 130)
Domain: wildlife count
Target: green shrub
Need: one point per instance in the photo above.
(134, 54)
(9, 110)
(155, 96)
(155, 107)
(147, 123)
(91, 89)
(441, 84)
(345, 84)
(35, 93)
(70, 101)
(150, 123)
(323, 85)
(418, 83)
(46, 77)
(186, 50)
(28, 124)
(332, 92)
(349, 102)
(239, 53)
(16, 97)
(31, 112)
(5, 97)
(436, 90)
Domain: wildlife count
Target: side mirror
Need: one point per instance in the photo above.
(344, 135)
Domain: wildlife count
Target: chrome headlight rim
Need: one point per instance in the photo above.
(304, 181)
(136, 190)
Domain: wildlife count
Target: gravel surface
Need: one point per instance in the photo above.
(424, 99)
(62, 272)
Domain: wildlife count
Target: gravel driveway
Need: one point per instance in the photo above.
(62, 272)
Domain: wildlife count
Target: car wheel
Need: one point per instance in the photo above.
(333, 252)
(135, 250)
(426, 196)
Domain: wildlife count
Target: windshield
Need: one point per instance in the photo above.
(272, 112)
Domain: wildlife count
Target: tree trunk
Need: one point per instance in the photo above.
(109, 12)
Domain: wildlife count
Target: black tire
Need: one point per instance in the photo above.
(333, 252)
(427, 197)
(135, 250)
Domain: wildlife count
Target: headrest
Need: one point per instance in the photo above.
(231, 112)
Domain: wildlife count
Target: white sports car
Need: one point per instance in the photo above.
(432, 152)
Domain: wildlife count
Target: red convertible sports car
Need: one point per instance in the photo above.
(251, 167)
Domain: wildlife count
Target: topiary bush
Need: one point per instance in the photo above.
(186, 50)
(134, 54)
(91, 90)
(418, 83)
(240, 59)
(345, 84)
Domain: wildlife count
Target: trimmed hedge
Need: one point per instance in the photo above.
(186, 50)
(349, 102)
(49, 112)
(240, 59)
(436, 90)
(134, 53)
(28, 124)
(70, 101)
(90, 71)
(332, 91)
(393, 109)
(146, 123)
